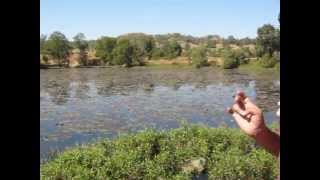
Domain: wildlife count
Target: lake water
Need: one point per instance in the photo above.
(81, 105)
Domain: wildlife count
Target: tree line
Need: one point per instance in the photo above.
(135, 49)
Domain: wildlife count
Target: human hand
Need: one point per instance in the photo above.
(247, 115)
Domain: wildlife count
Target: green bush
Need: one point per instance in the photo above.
(230, 60)
(157, 53)
(267, 61)
(171, 49)
(198, 57)
(241, 55)
(218, 52)
(143, 42)
(186, 52)
(127, 54)
(214, 53)
(245, 53)
(230, 63)
(104, 47)
(151, 154)
(45, 59)
(277, 66)
(259, 51)
(276, 55)
(122, 53)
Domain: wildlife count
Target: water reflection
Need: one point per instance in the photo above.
(59, 93)
(263, 98)
(80, 104)
(81, 90)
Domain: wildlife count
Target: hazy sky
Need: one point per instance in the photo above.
(95, 18)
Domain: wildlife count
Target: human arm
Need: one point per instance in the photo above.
(250, 119)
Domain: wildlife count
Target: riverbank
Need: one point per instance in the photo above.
(251, 66)
(218, 153)
(255, 66)
(62, 67)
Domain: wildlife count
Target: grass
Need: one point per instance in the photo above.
(254, 65)
(174, 65)
(168, 66)
(182, 62)
(229, 154)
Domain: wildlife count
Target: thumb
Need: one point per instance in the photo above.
(241, 122)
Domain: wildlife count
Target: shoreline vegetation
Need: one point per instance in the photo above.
(184, 153)
(251, 66)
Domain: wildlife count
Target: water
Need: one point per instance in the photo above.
(82, 105)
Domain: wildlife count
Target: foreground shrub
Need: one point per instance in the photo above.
(229, 154)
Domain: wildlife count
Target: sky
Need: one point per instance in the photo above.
(96, 18)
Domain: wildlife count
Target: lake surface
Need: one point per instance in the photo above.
(81, 105)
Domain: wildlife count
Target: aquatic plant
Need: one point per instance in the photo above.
(224, 153)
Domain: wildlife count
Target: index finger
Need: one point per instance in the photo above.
(241, 97)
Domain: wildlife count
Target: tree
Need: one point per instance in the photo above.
(225, 43)
(246, 41)
(172, 49)
(268, 39)
(175, 48)
(91, 44)
(81, 44)
(211, 44)
(43, 39)
(58, 47)
(45, 59)
(138, 56)
(241, 55)
(123, 53)
(43, 52)
(187, 47)
(145, 43)
(104, 47)
(231, 40)
(186, 50)
(199, 57)
(148, 46)
(277, 40)
(157, 53)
